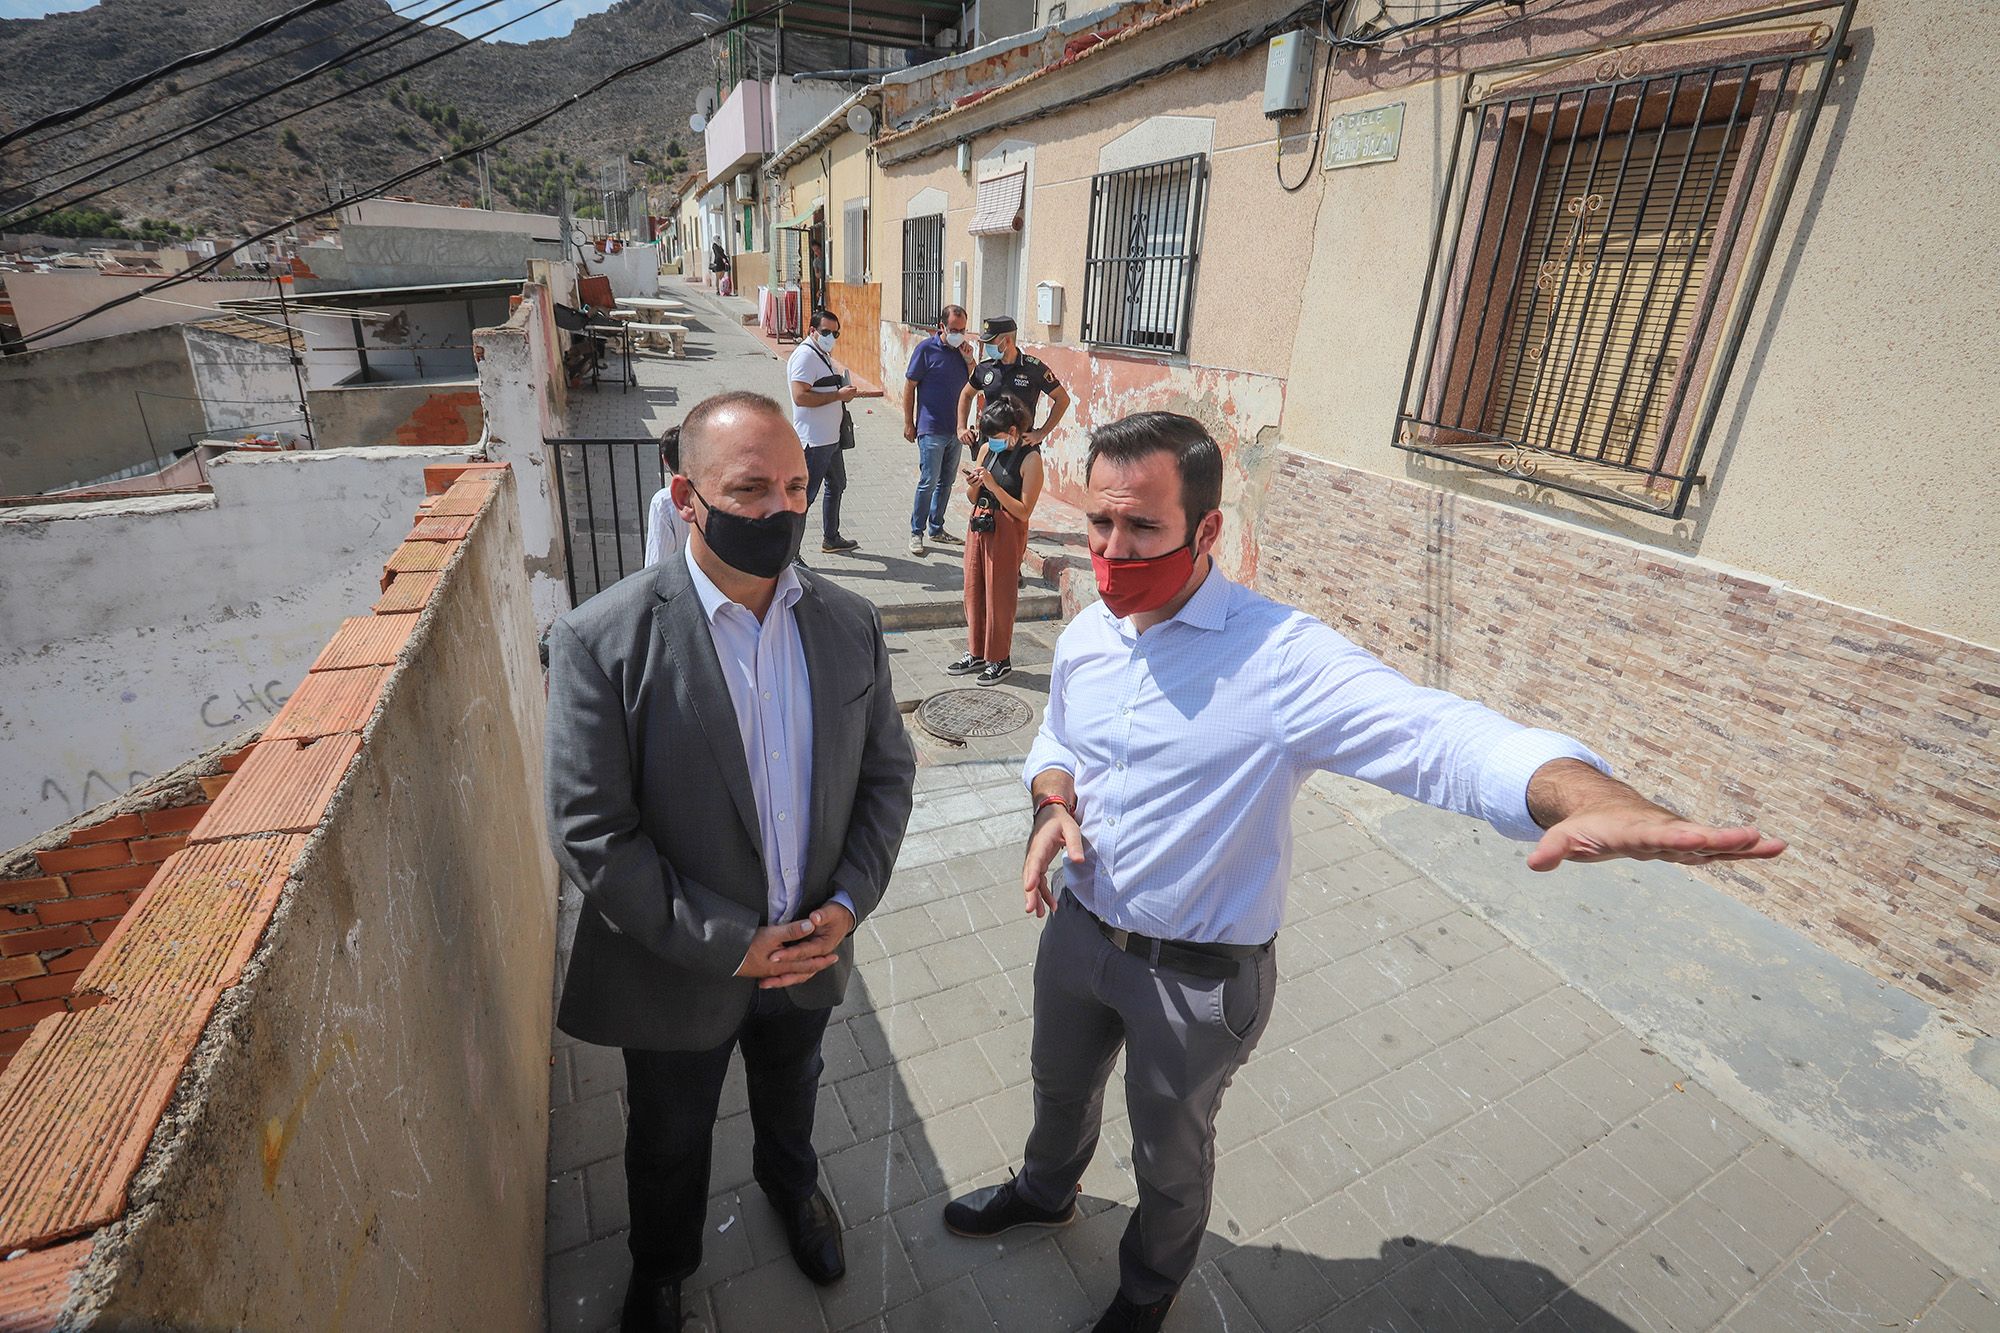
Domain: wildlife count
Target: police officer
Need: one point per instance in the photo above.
(1007, 371)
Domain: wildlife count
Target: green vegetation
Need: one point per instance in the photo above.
(95, 223)
(290, 139)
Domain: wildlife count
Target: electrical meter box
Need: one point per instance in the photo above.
(1288, 74)
(1048, 302)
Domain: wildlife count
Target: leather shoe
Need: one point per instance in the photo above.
(1126, 1316)
(651, 1307)
(814, 1232)
(999, 1208)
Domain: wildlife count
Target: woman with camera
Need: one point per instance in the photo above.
(1002, 489)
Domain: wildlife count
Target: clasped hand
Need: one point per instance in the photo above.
(796, 951)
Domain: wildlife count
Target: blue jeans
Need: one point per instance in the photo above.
(825, 465)
(937, 463)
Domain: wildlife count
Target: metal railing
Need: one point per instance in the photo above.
(1573, 330)
(1144, 245)
(603, 488)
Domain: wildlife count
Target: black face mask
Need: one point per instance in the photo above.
(759, 547)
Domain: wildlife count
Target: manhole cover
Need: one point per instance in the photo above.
(957, 715)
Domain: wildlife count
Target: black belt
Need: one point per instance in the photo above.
(1219, 961)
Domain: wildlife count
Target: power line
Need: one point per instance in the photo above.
(130, 86)
(232, 72)
(405, 31)
(19, 222)
(210, 264)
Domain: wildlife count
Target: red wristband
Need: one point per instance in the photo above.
(1067, 803)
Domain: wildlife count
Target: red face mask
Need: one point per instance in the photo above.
(1134, 587)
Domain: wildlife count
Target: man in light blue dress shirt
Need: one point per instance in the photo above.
(1185, 711)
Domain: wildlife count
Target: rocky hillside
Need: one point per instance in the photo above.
(59, 60)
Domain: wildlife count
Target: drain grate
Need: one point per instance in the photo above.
(958, 715)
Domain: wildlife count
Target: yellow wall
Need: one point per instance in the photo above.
(1850, 457)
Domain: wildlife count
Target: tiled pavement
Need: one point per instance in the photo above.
(1435, 1134)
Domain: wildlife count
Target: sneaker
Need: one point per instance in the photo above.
(946, 539)
(916, 543)
(1125, 1316)
(965, 666)
(998, 1208)
(837, 544)
(996, 672)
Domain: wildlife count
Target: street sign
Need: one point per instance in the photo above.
(1359, 137)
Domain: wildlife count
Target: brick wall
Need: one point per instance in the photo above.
(449, 417)
(62, 903)
(1868, 744)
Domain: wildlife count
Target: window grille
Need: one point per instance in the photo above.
(1583, 266)
(923, 270)
(1143, 247)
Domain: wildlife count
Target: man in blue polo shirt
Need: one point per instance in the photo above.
(939, 369)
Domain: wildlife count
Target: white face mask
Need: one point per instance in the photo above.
(824, 341)
(956, 338)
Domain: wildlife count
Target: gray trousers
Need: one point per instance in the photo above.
(1184, 1038)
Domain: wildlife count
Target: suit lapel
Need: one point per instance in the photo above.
(817, 637)
(698, 674)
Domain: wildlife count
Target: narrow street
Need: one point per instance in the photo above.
(1435, 1133)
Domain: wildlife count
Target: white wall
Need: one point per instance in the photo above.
(634, 270)
(136, 632)
(525, 400)
(402, 213)
(243, 384)
(45, 299)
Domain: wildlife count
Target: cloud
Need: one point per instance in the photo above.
(34, 9)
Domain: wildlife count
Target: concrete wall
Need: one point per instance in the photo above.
(524, 398)
(432, 412)
(401, 256)
(408, 213)
(634, 270)
(45, 299)
(75, 413)
(361, 1136)
(244, 384)
(136, 632)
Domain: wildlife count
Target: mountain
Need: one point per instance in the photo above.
(57, 61)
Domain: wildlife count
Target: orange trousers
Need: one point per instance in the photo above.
(993, 586)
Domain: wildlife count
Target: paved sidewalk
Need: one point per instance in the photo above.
(1435, 1133)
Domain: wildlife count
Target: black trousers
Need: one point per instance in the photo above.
(671, 1099)
(825, 465)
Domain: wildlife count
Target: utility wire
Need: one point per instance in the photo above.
(20, 222)
(405, 31)
(131, 86)
(382, 187)
(234, 71)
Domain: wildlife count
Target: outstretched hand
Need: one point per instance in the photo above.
(1647, 833)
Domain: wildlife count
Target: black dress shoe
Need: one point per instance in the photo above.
(651, 1307)
(1124, 1316)
(814, 1232)
(999, 1208)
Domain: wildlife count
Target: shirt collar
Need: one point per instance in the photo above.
(713, 599)
(1209, 607)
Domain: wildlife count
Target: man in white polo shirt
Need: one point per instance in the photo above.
(820, 394)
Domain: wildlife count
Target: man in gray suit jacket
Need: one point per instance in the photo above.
(728, 783)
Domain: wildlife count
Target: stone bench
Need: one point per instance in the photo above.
(674, 335)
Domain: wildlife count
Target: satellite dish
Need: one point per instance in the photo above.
(697, 122)
(860, 119)
(707, 102)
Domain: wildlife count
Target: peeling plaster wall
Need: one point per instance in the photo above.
(244, 384)
(135, 632)
(524, 398)
(361, 1138)
(433, 412)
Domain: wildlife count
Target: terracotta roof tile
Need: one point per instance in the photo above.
(440, 477)
(199, 920)
(284, 788)
(407, 592)
(78, 1105)
(328, 702)
(464, 497)
(450, 529)
(34, 1287)
(366, 641)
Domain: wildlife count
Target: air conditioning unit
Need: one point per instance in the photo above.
(746, 185)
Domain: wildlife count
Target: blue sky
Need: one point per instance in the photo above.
(553, 22)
